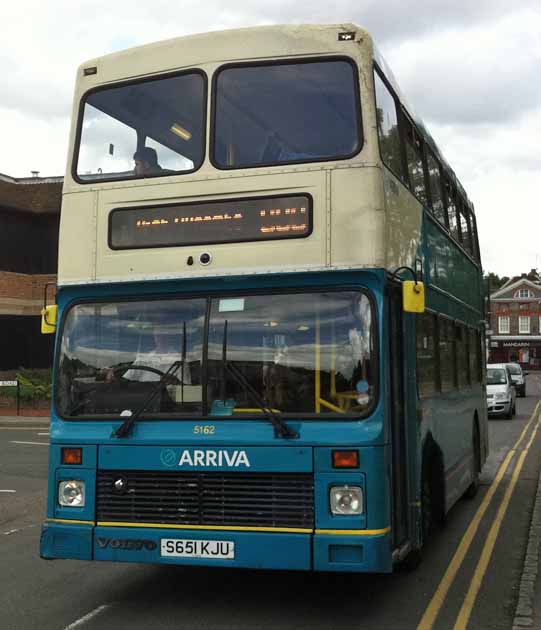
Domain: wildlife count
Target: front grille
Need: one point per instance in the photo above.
(239, 499)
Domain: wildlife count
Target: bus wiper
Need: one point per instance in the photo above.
(125, 428)
(281, 427)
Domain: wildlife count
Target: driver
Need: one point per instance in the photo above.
(154, 363)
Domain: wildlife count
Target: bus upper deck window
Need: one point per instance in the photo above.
(142, 129)
(286, 112)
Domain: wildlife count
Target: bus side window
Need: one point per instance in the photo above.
(465, 229)
(462, 356)
(389, 136)
(414, 155)
(436, 197)
(427, 366)
(452, 210)
(447, 355)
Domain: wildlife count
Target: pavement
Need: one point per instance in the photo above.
(528, 610)
(24, 421)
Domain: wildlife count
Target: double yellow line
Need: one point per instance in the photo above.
(437, 601)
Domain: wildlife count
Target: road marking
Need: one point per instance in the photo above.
(16, 428)
(438, 599)
(486, 554)
(8, 490)
(19, 529)
(44, 433)
(87, 617)
(35, 443)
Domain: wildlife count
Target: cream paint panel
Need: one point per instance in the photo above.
(77, 252)
(222, 47)
(211, 50)
(227, 259)
(357, 218)
(404, 215)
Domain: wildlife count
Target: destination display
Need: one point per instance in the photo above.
(224, 221)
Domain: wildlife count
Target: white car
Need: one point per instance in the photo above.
(501, 393)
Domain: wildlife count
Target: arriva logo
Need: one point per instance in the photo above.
(214, 458)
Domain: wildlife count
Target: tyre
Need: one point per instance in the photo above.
(515, 409)
(432, 493)
(410, 562)
(509, 414)
(473, 488)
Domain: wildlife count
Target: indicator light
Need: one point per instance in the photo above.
(345, 459)
(72, 456)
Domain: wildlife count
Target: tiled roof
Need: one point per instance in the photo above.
(37, 195)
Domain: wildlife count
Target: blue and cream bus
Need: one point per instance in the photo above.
(250, 219)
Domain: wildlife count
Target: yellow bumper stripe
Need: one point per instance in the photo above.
(292, 530)
(354, 532)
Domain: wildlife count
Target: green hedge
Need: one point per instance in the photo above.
(33, 385)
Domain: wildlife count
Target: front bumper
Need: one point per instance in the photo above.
(315, 551)
(498, 408)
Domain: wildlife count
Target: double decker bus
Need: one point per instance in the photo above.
(249, 220)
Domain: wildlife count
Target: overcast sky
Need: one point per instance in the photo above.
(471, 69)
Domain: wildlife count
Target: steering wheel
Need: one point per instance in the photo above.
(171, 379)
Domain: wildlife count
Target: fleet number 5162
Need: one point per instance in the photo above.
(204, 429)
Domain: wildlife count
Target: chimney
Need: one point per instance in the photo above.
(35, 173)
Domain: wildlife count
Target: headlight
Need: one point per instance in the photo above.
(346, 500)
(71, 493)
(502, 396)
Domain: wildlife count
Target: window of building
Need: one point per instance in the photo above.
(389, 137)
(427, 366)
(503, 325)
(523, 325)
(447, 355)
(523, 293)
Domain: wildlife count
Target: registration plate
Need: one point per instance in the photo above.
(220, 549)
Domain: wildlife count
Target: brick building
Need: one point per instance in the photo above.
(515, 321)
(29, 221)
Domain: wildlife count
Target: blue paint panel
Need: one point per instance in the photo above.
(85, 513)
(323, 483)
(243, 433)
(256, 550)
(266, 459)
(59, 540)
(374, 552)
